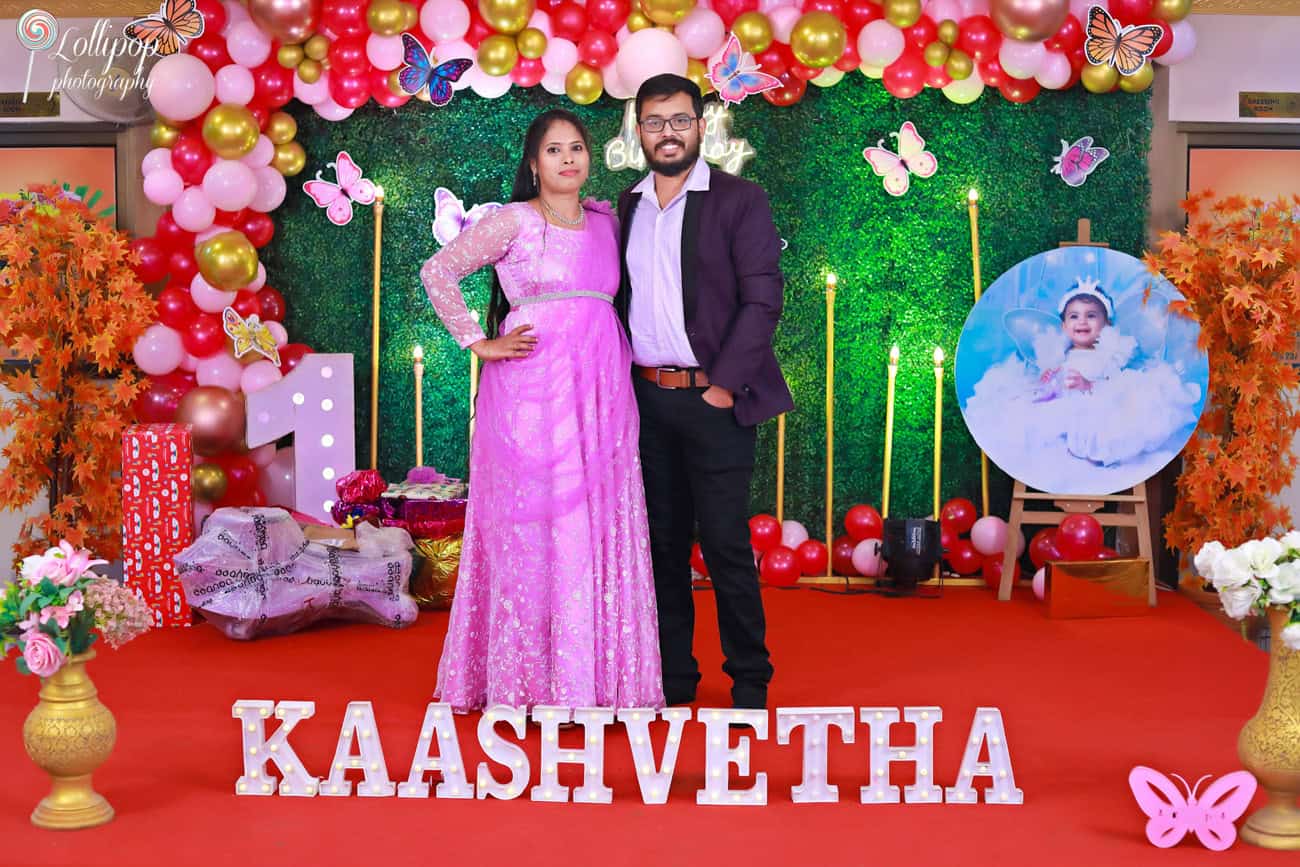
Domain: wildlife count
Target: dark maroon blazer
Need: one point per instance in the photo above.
(732, 290)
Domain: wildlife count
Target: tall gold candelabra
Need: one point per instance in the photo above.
(973, 210)
(374, 332)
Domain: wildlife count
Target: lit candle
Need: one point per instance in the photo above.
(973, 210)
(473, 382)
(889, 429)
(938, 422)
(831, 283)
(418, 354)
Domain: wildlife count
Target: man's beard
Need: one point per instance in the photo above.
(673, 168)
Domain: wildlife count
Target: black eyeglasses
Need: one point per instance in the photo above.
(679, 122)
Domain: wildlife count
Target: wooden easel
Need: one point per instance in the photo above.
(1133, 505)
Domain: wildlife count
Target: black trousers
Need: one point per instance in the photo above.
(698, 463)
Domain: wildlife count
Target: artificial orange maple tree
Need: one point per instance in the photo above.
(1238, 266)
(71, 306)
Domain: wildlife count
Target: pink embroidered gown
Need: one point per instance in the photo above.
(555, 601)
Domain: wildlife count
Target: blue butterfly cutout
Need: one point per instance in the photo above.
(419, 72)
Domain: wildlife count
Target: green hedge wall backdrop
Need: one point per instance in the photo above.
(903, 263)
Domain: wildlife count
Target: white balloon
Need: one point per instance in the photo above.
(553, 83)
(234, 84)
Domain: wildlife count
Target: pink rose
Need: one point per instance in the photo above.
(41, 654)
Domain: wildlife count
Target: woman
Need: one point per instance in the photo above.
(555, 600)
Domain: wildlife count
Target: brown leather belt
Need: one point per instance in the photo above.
(674, 377)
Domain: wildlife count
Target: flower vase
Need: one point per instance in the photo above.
(68, 735)
(1269, 746)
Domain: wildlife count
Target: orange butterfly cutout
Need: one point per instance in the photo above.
(177, 22)
(1126, 49)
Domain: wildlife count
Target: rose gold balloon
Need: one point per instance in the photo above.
(286, 20)
(1029, 20)
(215, 416)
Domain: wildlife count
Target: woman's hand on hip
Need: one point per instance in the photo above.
(515, 344)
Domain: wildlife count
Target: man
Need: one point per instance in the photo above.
(701, 297)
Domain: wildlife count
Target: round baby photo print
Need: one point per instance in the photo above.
(1073, 375)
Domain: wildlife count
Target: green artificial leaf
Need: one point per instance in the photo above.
(79, 631)
(22, 666)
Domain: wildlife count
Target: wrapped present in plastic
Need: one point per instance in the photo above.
(252, 573)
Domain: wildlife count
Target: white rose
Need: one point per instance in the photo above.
(1291, 542)
(1232, 569)
(1291, 636)
(1284, 587)
(1263, 555)
(1237, 601)
(1207, 558)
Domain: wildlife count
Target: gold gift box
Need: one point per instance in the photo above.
(1099, 588)
(433, 583)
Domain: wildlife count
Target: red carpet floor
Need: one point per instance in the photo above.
(1083, 701)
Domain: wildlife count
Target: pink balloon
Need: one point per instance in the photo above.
(270, 189)
(647, 53)
(236, 13)
(981, 7)
(158, 350)
(1055, 71)
(1040, 583)
(312, 94)
(214, 229)
(278, 332)
(866, 557)
(219, 369)
(158, 158)
(444, 20)
(229, 185)
(192, 211)
(276, 479)
(207, 297)
(783, 19)
(989, 535)
(384, 52)
(331, 110)
(189, 363)
(880, 43)
(1184, 36)
(262, 455)
(1079, 8)
(614, 85)
(487, 86)
(540, 21)
(459, 49)
(766, 6)
(944, 10)
(701, 33)
(163, 186)
(181, 86)
(234, 84)
(202, 509)
(259, 280)
(560, 56)
(258, 376)
(552, 82)
(1021, 59)
(247, 45)
(793, 534)
(260, 155)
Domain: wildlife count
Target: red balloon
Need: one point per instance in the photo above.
(979, 37)
(992, 571)
(259, 113)
(211, 48)
(157, 403)
(849, 60)
(382, 93)
(791, 90)
(204, 336)
(780, 567)
(1019, 90)
(858, 14)
(260, 228)
(291, 354)
(241, 475)
(963, 558)
(960, 514)
(1166, 38)
(772, 61)
(1130, 11)
(273, 84)
(478, 28)
(1042, 548)
(842, 556)
(835, 7)
(597, 48)
(1079, 537)
(905, 77)
(569, 21)
(246, 304)
(190, 156)
(697, 560)
(153, 259)
(349, 91)
(347, 55)
(345, 17)
(813, 557)
(1106, 554)
(214, 15)
(937, 77)
(528, 71)
(764, 533)
(804, 73)
(922, 33)
(864, 522)
(182, 266)
(947, 537)
(990, 70)
(730, 10)
(176, 309)
(608, 15)
(1068, 38)
(172, 236)
(272, 304)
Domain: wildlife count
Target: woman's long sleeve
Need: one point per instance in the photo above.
(484, 243)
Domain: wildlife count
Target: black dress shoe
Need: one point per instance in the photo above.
(678, 698)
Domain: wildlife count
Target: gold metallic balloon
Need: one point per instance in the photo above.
(949, 30)
(227, 260)
(208, 482)
(1029, 20)
(1138, 81)
(753, 30)
(872, 72)
(902, 13)
(310, 71)
(830, 76)
(936, 53)
(394, 84)
(230, 130)
(285, 20)
(289, 56)
(506, 16)
(289, 158)
(1099, 79)
(531, 43)
(637, 20)
(818, 39)
(317, 47)
(583, 84)
(216, 417)
(281, 128)
(386, 17)
(697, 72)
(959, 65)
(423, 95)
(410, 16)
(1171, 10)
(667, 12)
(162, 134)
(497, 54)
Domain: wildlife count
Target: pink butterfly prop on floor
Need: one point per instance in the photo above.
(1077, 161)
(1174, 814)
(736, 75)
(897, 168)
(337, 198)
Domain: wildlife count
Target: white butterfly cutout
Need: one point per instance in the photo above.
(337, 198)
(450, 217)
(897, 168)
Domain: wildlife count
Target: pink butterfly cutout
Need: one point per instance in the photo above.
(337, 198)
(1076, 161)
(736, 75)
(897, 168)
(1173, 814)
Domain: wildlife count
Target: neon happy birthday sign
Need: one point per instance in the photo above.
(359, 748)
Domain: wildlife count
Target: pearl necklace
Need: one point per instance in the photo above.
(559, 218)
